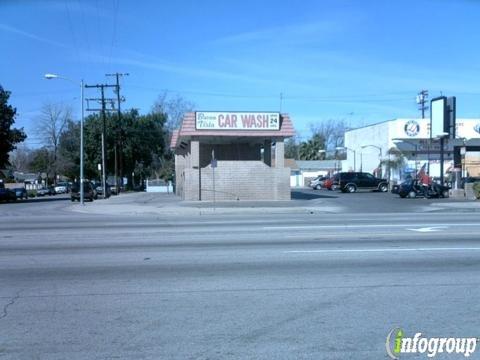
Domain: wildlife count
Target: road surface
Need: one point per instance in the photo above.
(254, 286)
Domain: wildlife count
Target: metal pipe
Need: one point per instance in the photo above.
(81, 144)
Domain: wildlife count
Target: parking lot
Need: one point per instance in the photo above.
(369, 201)
(304, 200)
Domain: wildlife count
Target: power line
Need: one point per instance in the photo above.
(118, 142)
(116, 5)
(40, 93)
(99, 32)
(72, 33)
(23, 112)
(83, 26)
(359, 97)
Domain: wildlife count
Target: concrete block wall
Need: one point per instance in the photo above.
(190, 186)
(181, 159)
(243, 180)
(469, 192)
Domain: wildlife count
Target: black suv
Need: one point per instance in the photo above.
(353, 181)
(88, 191)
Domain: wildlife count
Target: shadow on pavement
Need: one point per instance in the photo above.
(38, 199)
(301, 195)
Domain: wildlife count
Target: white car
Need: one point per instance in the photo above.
(61, 188)
(317, 183)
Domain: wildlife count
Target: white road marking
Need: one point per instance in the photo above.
(379, 250)
(359, 226)
(430, 229)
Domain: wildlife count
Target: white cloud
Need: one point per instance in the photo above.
(31, 36)
(297, 33)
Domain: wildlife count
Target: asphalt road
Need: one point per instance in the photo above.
(254, 286)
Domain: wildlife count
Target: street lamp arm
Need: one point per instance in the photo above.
(374, 146)
(50, 76)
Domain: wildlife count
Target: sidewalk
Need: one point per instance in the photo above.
(460, 204)
(170, 205)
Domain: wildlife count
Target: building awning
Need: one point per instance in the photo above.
(317, 165)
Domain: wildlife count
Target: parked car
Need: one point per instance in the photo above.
(62, 188)
(89, 192)
(21, 193)
(99, 189)
(353, 181)
(140, 187)
(50, 190)
(317, 183)
(328, 184)
(413, 188)
(7, 194)
(114, 189)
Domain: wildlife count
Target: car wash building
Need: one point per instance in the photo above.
(228, 156)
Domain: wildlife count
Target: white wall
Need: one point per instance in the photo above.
(368, 158)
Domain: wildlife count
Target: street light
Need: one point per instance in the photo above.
(376, 147)
(54, 76)
(342, 148)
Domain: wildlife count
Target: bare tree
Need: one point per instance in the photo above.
(333, 131)
(173, 107)
(52, 122)
(20, 158)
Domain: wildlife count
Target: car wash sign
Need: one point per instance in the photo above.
(237, 120)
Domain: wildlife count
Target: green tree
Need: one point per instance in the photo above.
(42, 162)
(292, 148)
(311, 149)
(9, 136)
(144, 139)
(140, 138)
(69, 150)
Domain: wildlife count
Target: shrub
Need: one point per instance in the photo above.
(476, 189)
(31, 193)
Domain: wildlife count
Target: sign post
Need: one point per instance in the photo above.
(439, 126)
(214, 165)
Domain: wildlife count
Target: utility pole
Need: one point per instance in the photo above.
(104, 180)
(103, 109)
(119, 124)
(422, 103)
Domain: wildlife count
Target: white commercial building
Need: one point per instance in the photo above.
(381, 147)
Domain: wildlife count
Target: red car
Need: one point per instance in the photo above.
(327, 184)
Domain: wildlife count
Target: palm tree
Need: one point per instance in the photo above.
(395, 161)
(310, 150)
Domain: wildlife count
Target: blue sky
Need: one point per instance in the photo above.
(362, 61)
